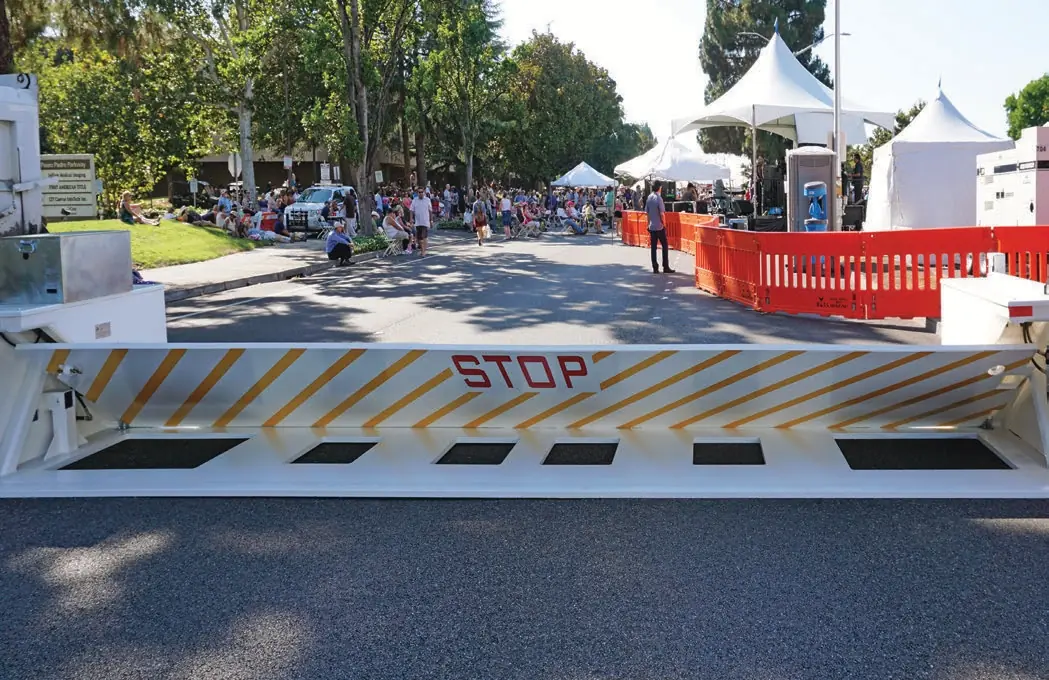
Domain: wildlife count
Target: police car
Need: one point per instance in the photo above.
(305, 213)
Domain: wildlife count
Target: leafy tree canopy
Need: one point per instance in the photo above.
(1029, 107)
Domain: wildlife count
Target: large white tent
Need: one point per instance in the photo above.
(676, 162)
(779, 95)
(583, 175)
(926, 175)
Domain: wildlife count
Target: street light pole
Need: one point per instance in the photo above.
(838, 151)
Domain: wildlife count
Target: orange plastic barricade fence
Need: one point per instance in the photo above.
(728, 263)
(872, 275)
(902, 281)
(1026, 251)
(802, 273)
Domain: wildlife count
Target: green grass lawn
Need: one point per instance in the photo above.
(170, 243)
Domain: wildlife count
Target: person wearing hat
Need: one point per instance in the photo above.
(339, 246)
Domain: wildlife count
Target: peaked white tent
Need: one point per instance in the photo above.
(926, 175)
(675, 162)
(779, 95)
(583, 175)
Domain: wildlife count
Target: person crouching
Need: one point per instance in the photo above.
(339, 246)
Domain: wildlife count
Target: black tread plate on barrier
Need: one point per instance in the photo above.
(335, 453)
(582, 453)
(727, 453)
(920, 453)
(477, 453)
(156, 454)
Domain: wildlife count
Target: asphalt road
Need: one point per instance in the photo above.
(316, 589)
(559, 290)
(165, 589)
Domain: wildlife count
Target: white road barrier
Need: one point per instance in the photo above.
(388, 420)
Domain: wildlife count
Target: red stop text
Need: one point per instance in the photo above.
(522, 371)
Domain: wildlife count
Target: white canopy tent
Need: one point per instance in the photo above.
(676, 162)
(583, 175)
(779, 95)
(926, 175)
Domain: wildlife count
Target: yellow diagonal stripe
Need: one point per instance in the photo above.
(804, 375)
(600, 356)
(925, 397)
(972, 416)
(731, 380)
(407, 399)
(942, 409)
(58, 357)
(372, 385)
(637, 368)
(649, 391)
(828, 389)
(323, 379)
(496, 412)
(201, 391)
(886, 390)
(259, 387)
(447, 408)
(98, 385)
(567, 403)
(152, 385)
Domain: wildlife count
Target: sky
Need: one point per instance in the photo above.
(897, 51)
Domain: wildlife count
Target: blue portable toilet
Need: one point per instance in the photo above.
(816, 194)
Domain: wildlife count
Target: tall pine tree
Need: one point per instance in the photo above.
(726, 54)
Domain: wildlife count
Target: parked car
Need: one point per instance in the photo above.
(305, 213)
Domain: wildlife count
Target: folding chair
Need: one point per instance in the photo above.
(394, 248)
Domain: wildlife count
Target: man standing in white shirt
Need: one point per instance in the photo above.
(421, 216)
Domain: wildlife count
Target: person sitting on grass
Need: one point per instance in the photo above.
(339, 246)
(131, 213)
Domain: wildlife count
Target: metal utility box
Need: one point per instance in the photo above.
(1012, 187)
(804, 166)
(46, 269)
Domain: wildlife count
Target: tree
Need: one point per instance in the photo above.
(138, 120)
(561, 107)
(1029, 107)
(373, 32)
(228, 33)
(726, 54)
(466, 70)
(882, 136)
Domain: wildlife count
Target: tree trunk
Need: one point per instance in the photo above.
(404, 151)
(7, 51)
(420, 157)
(247, 154)
(470, 173)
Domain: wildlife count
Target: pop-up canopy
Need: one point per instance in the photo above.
(779, 95)
(675, 162)
(583, 175)
(926, 175)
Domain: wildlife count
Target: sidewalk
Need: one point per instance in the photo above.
(265, 264)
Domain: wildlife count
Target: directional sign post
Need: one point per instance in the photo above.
(73, 195)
